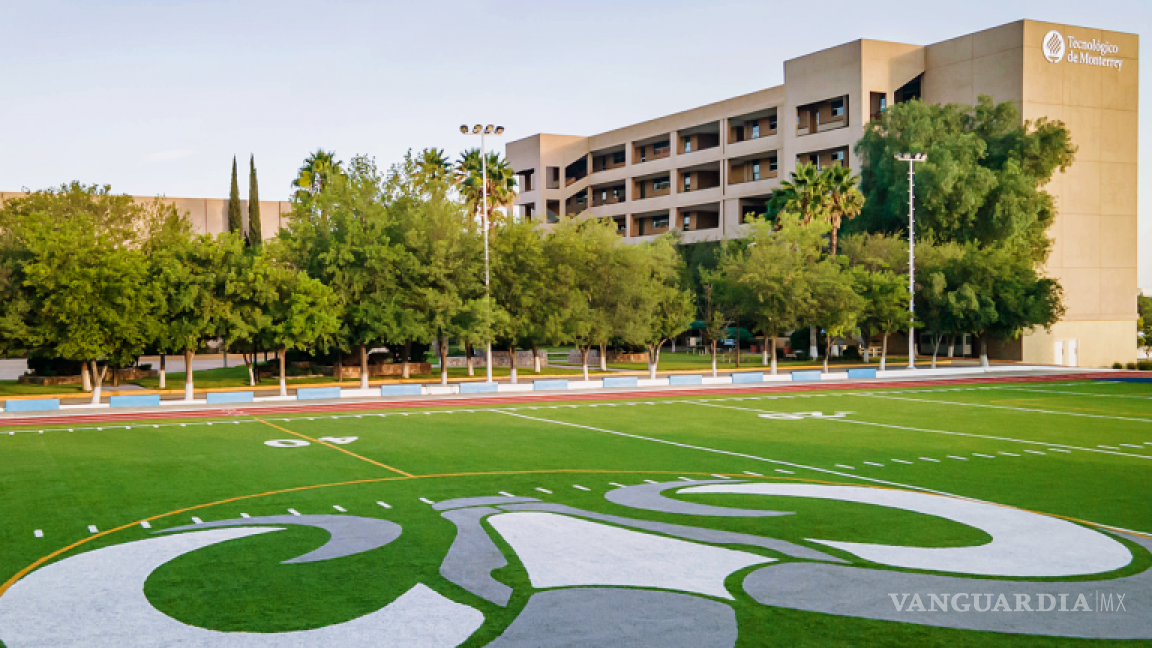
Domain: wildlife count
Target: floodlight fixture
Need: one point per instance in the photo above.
(464, 129)
(912, 159)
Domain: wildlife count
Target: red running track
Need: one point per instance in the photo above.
(496, 400)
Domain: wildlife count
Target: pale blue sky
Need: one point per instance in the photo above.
(155, 97)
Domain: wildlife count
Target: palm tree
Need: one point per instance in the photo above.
(501, 183)
(432, 166)
(806, 194)
(318, 168)
(845, 199)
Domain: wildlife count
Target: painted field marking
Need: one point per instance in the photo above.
(902, 461)
(39, 533)
(146, 524)
(651, 481)
(845, 467)
(335, 447)
(1053, 391)
(544, 490)
(872, 463)
(579, 487)
(749, 472)
(929, 459)
(1132, 445)
(1008, 454)
(507, 494)
(384, 505)
(196, 520)
(426, 500)
(977, 454)
(245, 515)
(1108, 447)
(786, 472)
(616, 485)
(1003, 407)
(1036, 452)
(1059, 450)
(721, 476)
(958, 458)
(92, 529)
(687, 479)
(294, 511)
(339, 508)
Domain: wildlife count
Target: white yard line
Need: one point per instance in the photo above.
(579, 487)
(339, 508)
(929, 459)
(384, 505)
(901, 461)
(544, 490)
(1054, 391)
(1001, 407)
(913, 429)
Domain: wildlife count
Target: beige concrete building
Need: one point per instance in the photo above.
(702, 170)
(210, 215)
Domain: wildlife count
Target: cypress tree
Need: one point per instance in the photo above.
(235, 220)
(255, 237)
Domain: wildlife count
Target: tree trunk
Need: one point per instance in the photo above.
(712, 349)
(584, 351)
(652, 361)
(282, 352)
(813, 350)
(189, 385)
(85, 377)
(339, 366)
(225, 349)
(97, 381)
(656, 364)
(468, 359)
(773, 354)
(363, 367)
(983, 352)
(951, 345)
(603, 356)
(444, 360)
(163, 372)
(512, 361)
(827, 351)
(115, 376)
(407, 353)
(883, 352)
(764, 351)
(535, 358)
(248, 362)
(936, 349)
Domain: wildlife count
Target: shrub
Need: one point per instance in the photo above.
(1130, 365)
(1144, 365)
(1117, 365)
(851, 353)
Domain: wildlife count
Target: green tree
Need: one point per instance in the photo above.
(255, 235)
(835, 307)
(501, 183)
(668, 306)
(519, 272)
(235, 219)
(984, 180)
(844, 199)
(716, 322)
(165, 232)
(74, 254)
(318, 169)
(1144, 324)
(355, 251)
(878, 263)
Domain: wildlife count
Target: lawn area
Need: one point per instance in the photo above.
(14, 388)
(861, 487)
(684, 361)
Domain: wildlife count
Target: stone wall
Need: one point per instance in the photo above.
(500, 359)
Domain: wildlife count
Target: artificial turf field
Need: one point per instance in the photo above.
(1079, 452)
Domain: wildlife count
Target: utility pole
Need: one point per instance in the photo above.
(912, 159)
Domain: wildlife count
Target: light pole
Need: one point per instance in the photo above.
(912, 159)
(482, 131)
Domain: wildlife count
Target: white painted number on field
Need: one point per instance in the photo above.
(339, 440)
(286, 443)
(796, 416)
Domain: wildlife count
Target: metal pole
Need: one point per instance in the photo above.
(487, 275)
(911, 264)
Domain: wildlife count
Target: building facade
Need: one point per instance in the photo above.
(703, 170)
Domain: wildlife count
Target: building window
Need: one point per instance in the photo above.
(883, 102)
(755, 128)
(687, 182)
(756, 170)
(772, 122)
(687, 220)
(687, 144)
(772, 164)
(618, 157)
(659, 222)
(838, 157)
(603, 195)
(660, 184)
(837, 107)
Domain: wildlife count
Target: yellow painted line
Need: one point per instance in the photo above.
(334, 447)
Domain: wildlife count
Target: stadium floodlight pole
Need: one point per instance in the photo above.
(482, 131)
(912, 159)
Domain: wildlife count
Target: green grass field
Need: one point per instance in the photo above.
(1079, 451)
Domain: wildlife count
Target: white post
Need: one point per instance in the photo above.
(487, 276)
(911, 264)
